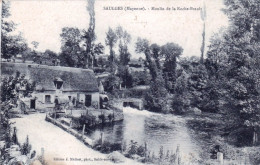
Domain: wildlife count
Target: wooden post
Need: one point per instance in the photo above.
(101, 138)
(178, 158)
(220, 158)
(145, 151)
(42, 153)
(255, 138)
(70, 124)
(83, 130)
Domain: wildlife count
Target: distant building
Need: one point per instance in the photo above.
(71, 85)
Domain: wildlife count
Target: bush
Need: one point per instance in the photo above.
(26, 147)
(102, 118)
(106, 147)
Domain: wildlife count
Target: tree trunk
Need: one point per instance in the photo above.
(255, 138)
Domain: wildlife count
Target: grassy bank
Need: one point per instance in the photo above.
(212, 133)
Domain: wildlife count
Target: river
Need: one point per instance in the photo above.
(154, 129)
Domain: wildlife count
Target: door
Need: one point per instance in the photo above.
(88, 100)
(32, 104)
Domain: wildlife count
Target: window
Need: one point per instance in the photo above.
(47, 98)
(69, 98)
(58, 82)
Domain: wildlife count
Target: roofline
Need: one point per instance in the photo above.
(44, 66)
(69, 90)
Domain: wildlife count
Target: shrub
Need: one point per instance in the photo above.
(102, 118)
(26, 147)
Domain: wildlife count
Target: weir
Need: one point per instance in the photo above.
(132, 102)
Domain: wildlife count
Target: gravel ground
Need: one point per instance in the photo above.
(57, 143)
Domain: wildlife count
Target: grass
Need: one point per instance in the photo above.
(212, 130)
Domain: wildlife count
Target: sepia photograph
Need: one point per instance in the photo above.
(130, 82)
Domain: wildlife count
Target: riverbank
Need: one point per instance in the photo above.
(57, 143)
(211, 131)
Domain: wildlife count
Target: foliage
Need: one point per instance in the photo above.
(26, 147)
(89, 36)
(156, 98)
(11, 85)
(106, 146)
(140, 78)
(11, 45)
(181, 99)
(111, 83)
(48, 57)
(35, 44)
(125, 76)
(143, 46)
(88, 120)
(124, 39)
(233, 60)
(133, 146)
(71, 52)
(10, 91)
(111, 39)
(170, 52)
(102, 118)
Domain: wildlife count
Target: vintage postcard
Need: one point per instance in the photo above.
(100, 82)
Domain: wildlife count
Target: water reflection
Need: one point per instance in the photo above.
(155, 129)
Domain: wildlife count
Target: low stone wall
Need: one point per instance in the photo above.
(86, 140)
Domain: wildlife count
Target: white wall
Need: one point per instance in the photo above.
(40, 101)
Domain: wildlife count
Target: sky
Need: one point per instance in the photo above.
(42, 21)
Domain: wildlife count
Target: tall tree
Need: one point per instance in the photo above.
(89, 38)
(156, 53)
(11, 45)
(156, 97)
(170, 52)
(235, 56)
(124, 56)
(71, 52)
(143, 46)
(124, 39)
(111, 39)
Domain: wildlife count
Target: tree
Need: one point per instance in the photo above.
(170, 52)
(124, 56)
(143, 46)
(235, 57)
(71, 52)
(124, 39)
(9, 95)
(156, 98)
(11, 45)
(10, 87)
(111, 82)
(111, 39)
(49, 56)
(89, 38)
(35, 44)
(156, 50)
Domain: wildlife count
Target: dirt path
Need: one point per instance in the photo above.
(56, 142)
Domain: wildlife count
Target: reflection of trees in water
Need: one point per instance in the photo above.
(155, 130)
